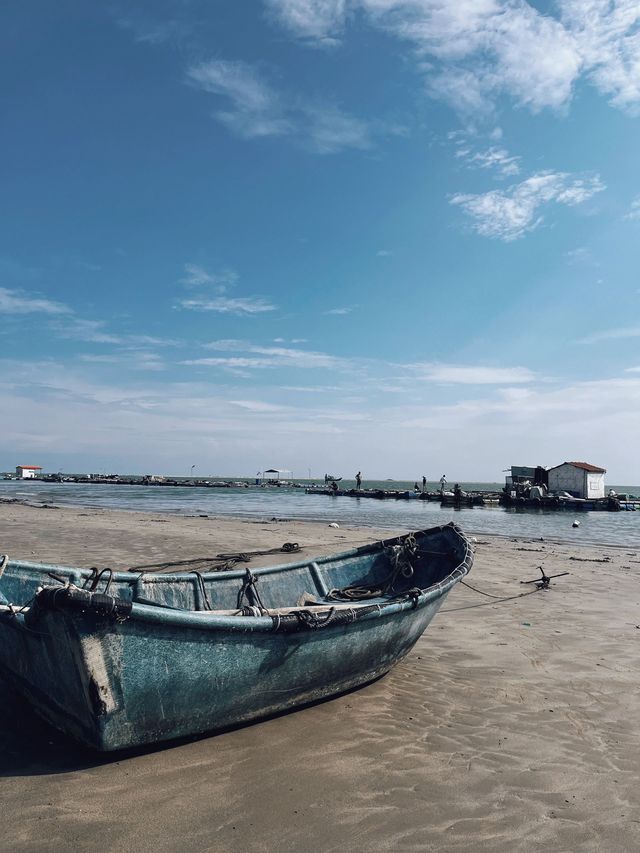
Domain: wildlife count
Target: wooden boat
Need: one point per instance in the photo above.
(122, 659)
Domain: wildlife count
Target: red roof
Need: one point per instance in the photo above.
(586, 466)
(32, 467)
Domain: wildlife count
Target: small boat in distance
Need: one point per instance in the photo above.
(328, 478)
(120, 659)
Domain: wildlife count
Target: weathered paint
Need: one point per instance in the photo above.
(164, 673)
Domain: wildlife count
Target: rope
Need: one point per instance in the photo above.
(400, 557)
(479, 591)
(3, 564)
(221, 562)
(203, 590)
(249, 583)
(489, 603)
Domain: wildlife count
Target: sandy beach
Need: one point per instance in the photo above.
(510, 727)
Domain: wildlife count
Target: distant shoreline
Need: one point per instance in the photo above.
(48, 519)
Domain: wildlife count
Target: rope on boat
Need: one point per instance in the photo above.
(203, 589)
(91, 583)
(4, 559)
(249, 583)
(302, 620)
(70, 597)
(400, 556)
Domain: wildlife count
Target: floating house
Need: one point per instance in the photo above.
(579, 479)
(277, 473)
(27, 472)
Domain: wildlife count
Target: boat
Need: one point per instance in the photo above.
(123, 659)
(329, 478)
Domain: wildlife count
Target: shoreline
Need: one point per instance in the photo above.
(368, 532)
(510, 727)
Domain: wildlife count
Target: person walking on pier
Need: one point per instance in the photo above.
(358, 480)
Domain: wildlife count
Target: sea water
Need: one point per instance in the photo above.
(609, 528)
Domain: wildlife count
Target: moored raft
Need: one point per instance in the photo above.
(117, 659)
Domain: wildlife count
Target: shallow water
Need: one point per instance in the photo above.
(621, 528)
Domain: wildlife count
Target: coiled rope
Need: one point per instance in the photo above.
(401, 559)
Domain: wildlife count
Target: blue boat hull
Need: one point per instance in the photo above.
(160, 673)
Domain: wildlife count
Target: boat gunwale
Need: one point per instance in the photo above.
(133, 575)
(212, 620)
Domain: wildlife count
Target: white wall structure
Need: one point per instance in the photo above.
(580, 479)
(28, 472)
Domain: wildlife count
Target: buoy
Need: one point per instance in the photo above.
(576, 523)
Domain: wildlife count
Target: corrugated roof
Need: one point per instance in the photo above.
(586, 466)
(33, 467)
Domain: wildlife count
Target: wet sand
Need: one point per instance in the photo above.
(510, 727)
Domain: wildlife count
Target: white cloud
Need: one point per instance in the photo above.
(509, 214)
(338, 312)
(257, 406)
(634, 210)
(70, 419)
(611, 335)
(154, 32)
(320, 21)
(65, 323)
(497, 159)
(256, 107)
(472, 374)
(90, 331)
(330, 130)
(19, 302)
(266, 356)
(240, 305)
(258, 110)
(580, 255)
(471, 51)
(197, 276)
(228, 345)
(130, 359)
(150, 340)
(609, 44)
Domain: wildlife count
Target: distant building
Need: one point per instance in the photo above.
(524, 475)
(579, 479)
(277, 473)
(27, 472)
(520, 474)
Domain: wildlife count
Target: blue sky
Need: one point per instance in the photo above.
(391, 235)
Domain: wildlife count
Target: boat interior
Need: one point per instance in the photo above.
(370, 574)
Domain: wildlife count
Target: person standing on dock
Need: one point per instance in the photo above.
(358, 480)
(443, 483)
(424, 484)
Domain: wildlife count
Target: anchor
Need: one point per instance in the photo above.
(545, 581)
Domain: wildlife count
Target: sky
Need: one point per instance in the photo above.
(396, 236)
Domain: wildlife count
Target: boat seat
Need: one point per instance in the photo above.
(308, 598)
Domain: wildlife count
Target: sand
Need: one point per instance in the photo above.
(510, 727)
